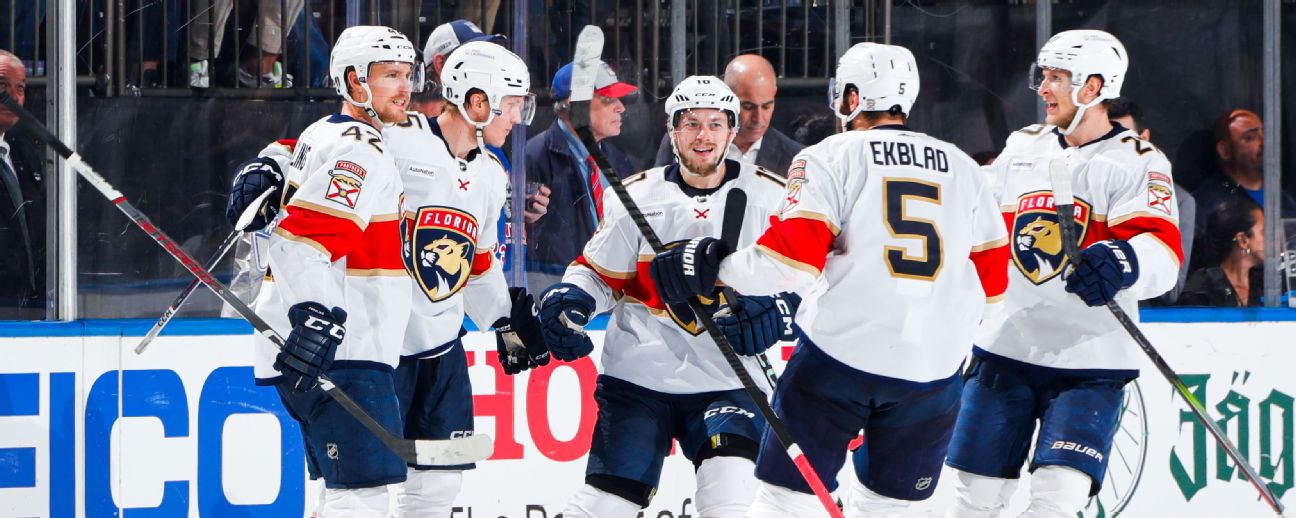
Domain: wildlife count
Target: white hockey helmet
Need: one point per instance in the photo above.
(886, 76)
(491, 69)
(359, 48)
(702, 92)
(1083, 53)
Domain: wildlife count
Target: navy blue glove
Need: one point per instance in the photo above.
(518, 339)
(689, 269)
(565, 309)
(254, 190)
(311, 345)
(1105, 268)
(756, 323)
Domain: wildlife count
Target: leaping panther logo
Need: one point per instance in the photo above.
(1037, 236)
(439, 244)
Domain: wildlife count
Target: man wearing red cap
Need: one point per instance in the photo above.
(564, 193)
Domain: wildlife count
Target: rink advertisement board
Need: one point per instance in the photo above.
(87, 428)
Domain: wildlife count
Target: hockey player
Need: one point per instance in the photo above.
(877, 224)
(1053, 358)
(454, 194)
(662, 378)
(337, 280)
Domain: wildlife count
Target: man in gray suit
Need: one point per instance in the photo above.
(752, 78)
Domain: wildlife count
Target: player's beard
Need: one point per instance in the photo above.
(698, 167)
(1063, 117)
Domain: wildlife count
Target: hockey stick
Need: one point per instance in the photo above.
(589, 47)
(445, 452)
(174, 308)
(244, 220)
(1063, 202)
(735, 210)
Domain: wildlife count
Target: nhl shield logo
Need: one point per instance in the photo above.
(1037, 238)
(439, 244)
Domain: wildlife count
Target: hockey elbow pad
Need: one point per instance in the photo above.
(309, 349)
(1105, 268)
(253, 203)
(518, 339)
(565, 309)
(757, 323)
(688, 270)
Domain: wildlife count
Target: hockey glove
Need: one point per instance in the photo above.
(518, 339)
(754, 324)
(565, 309)
(308, 352)
(688, 270)
(1105, 268)
(253, 201)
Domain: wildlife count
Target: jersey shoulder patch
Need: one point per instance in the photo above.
(641, 175)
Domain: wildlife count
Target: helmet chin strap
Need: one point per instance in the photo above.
(1080, 111)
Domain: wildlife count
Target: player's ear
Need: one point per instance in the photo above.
(1091, 87)
(353, 86)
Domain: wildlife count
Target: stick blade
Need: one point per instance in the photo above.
(453, 452)
(589, 48)
(1060, 177)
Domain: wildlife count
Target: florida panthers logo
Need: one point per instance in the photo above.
(439, 244)
(1037, 237)
(683, 315)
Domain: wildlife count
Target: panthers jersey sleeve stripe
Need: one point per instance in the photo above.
(803, 241)
(1158, 228)
(380, 249)
(482, 261)
(323, 229)
(991, 261)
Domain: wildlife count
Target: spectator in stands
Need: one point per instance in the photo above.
(22, 205)
(1126, 113)
(1233, 247)
(1239, 146)
(565, 197)
(259, 68)
(752, 78)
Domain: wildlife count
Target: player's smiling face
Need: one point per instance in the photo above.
(701, 138)
(1055, 91)
(390, 85)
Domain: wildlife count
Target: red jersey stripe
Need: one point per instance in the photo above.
(481, 262)
(992, 267)
(379, 249)
(801, 240)
(336, 235)
(1162, 229)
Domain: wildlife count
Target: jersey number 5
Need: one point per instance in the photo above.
(896, 192)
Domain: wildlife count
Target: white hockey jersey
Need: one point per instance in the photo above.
(902, 241)
(658, 346)
(449, 229)
(1123, 190)
(338, 243)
